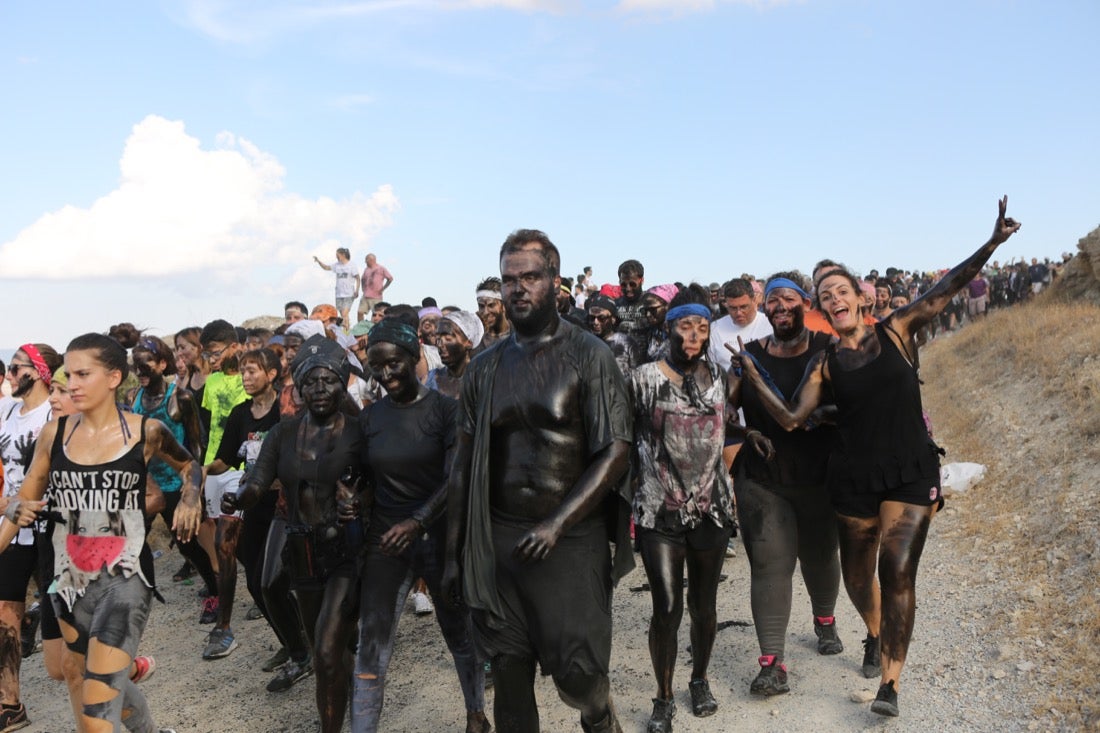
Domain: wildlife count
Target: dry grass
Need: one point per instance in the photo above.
(1020, 393)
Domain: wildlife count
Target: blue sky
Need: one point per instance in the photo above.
(169, 163)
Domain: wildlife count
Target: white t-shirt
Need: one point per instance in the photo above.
(18, 434)
(347, 278)
(724, 331)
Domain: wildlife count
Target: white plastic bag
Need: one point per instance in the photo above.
(956, 478)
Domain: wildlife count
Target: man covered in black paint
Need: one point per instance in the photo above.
(542, 450)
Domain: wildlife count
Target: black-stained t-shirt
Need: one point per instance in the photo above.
(244, 434)
(406, 449)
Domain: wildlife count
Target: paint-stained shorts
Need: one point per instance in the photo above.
(113, 609)
(556, 610)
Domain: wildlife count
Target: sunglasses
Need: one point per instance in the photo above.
(14, 368)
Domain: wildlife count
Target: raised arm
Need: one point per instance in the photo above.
(910, 319)
(322, 264)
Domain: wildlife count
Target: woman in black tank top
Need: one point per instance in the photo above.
(95, 462)
(883, 471)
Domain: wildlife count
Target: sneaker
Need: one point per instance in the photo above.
(872, 658)
(661, 719)
(828, 642)
(220, 643)
(290, 673)
(254, 614)
(13, 717)
(28, 632)
(422, 604)
(209, 610)
(731, 548)
(886, 702)
(772, 679)
(143, 669)
(276, 660)
(702, 701)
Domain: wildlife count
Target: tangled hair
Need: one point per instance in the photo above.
(737, 288)
(631, 267)
(218, 330)
(695, 294)
(490, 283)
(126, 334)
(159, 350)
(265, 358)
(842, 272)
(521, 240)
(108, 352)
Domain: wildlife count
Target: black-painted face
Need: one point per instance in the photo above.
(21, 375)
(654, 309)
(786, 311)
(428, 327)
(454, 347)
(601, 322)
(395, 369)
(631, 287)
(322, 391)
(688, 338)
(529, 290)
(291, 343)
(148, 368)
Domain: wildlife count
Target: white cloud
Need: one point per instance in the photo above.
(247, 21)
(180, 209)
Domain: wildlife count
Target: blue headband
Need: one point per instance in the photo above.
(688, 309)
(782, 282)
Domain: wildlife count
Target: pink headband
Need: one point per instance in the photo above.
(39, 363)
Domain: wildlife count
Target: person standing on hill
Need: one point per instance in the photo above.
(347, 282)
(375, 280)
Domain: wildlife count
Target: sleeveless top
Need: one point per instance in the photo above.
(100, 518)
(165, 476)
(801, 456)
(882, 442)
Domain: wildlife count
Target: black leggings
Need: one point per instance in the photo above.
(191, 550)
(279, 605)
(252, 544)
(780, 525)
(664, 559)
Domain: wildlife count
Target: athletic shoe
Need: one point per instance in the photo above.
(13, 717)
(166, 730)
(828, 642)
(220, 643)
(702, 701)
(660, 721)
(772, 679)
(143, 669)
(28, 632)
(209, 610)
(254, 614)
(886, 702)
(731, 548)
(872, 658)
(422, 604)
(276, 660)
(290, 673)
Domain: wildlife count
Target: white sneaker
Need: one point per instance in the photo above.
(422, 604)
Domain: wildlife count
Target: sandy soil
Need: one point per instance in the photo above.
(228, 695)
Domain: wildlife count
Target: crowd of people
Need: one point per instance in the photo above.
(508, 463)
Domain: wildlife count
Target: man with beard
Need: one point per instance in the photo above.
(631, 278)
(783, 508)
(490, 309)
(527, 535)
(603, 318)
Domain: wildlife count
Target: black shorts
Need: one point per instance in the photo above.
(706, 535)
(17, 564)
(923, 492)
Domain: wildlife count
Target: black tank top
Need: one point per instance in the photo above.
(101, 518)
(882, 442)
(800, 455)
